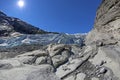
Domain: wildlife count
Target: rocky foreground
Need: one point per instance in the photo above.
(98, 58)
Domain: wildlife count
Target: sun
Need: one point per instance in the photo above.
(21, 3)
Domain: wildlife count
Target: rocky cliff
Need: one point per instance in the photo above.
(107, 23)
(106, 36)
(97, 59)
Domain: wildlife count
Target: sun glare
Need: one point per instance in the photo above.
(21, 3)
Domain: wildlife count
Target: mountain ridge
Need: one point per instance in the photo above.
(10, 25)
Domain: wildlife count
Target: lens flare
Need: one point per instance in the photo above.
(21, 3)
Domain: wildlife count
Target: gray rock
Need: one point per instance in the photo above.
(37, 53)
(43, 72)
(95, 78)
(56, 49)
(70, 78)
(41, 60)
(42, 75)
(11, 62)
(61, 59)
(103, 70)
(105, 35)
(80, 76)
(26, 59)
(107, 23)
(5, 66)
(111, 57)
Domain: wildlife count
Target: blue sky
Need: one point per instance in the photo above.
(66, 16)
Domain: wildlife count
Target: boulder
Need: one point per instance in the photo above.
(43, 72)
(41, 60)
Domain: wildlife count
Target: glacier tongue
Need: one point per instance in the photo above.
(43, 39)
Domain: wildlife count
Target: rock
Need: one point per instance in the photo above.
(103, 70)
(107, 23)
(5, 30)
(16, 25)
(26, 59)
(70, 78)
(68, 68)
(5, 66)
(90, 50)
(34, 57)
(12, 62)
(37, 53)
(43, 72)
(80, 76)
(76, 49)
(57, 49)
(94, 78)
(111, 56)
(41, 60)
(61, 59)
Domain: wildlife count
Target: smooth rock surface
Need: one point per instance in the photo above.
(80, 76)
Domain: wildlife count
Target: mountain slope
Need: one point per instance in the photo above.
(18, 32)
(9, 25)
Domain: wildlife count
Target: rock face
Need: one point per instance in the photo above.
(67, 59)
(105, 35)
(107, 23)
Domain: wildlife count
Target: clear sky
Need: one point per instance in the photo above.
(67, 16)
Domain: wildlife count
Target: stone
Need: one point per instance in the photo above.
(59, 60)
(80, 76)
(102, 70)
(41, 60)
(94, 78)
(56, 49)
(37, 53)
(26, 59)
(111, 56)
(11, 62)
(76, 49)
(43, 72)
(70, 78)
(59, 54)
(67, 68)
(5, 66)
